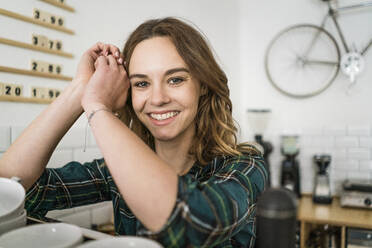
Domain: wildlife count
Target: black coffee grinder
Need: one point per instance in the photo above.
(258, 120)
(322, 189)
(290, 172)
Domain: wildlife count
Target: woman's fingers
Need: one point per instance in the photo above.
(114, 65)
(101, 61)
(112, 62)
(98, 47)
(106, 49)
(120, 59)
(116, 53)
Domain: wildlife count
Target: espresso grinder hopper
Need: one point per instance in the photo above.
(258, 120)
(290, 169)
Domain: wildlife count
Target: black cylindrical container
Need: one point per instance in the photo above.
(276, 219)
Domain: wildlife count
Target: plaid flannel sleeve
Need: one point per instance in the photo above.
(210, 213)
(72, 185)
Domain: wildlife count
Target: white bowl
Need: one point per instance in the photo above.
(12, 195)
(16, 222)
(122, 242)
(51, 235)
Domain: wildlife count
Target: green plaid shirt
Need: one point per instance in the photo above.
(215, 204)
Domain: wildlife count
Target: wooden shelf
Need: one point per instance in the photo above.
(34, 73)
(311, 214)
(59, 5)
(31, 20)
(333, 214)
(24, 99)
(32, 47)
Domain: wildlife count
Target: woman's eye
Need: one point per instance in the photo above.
(176, 80)
(141, 84)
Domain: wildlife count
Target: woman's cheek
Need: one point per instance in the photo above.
(138, 101)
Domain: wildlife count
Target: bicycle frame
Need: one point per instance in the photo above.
(333, 12)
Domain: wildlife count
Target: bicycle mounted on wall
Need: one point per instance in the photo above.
(305, 52)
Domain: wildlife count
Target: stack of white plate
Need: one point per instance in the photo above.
(12, 201)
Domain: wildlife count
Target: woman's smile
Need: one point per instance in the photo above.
(164, 115)
(163, 118)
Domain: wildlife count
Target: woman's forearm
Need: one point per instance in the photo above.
(147, 183)
(28, 156)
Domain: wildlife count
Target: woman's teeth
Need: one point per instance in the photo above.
(161, 117)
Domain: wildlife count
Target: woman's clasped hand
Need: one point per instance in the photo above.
(107, 87)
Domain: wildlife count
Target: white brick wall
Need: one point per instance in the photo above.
(15, 132)
(334, 131)
(359, 130)
(347, 141)
(60, 158)
(365, 142)
(73, 139)
(350, 148)
(4, 138)
(87, 156)
(365, 166)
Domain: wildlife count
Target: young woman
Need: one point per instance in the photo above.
(172, 166)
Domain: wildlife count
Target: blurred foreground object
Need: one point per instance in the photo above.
(276, 219)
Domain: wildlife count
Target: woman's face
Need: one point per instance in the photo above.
(164, 94)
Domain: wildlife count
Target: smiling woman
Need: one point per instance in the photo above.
(172, 166)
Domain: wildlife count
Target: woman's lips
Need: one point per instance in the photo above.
(164, 115)
(163, 118)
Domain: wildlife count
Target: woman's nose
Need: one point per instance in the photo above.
(159, 96)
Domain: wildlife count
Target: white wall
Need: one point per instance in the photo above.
(333, 121)
(261, 20)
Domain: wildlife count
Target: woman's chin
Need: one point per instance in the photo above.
(163, 137)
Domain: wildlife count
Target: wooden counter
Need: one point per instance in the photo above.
(311, 214)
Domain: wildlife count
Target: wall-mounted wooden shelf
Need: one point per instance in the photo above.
(34, 73)
(59, 5)
(32, 47)
(34, 21)
(24, 99)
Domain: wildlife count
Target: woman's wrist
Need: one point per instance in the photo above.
(91, 114)
(89, 107)
(69, 101)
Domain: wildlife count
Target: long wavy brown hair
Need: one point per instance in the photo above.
(215, 131)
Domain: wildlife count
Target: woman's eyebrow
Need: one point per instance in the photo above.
(174, 70)
(137, 75)
(168, 72)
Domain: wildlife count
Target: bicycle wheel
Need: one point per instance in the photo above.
(302, 60)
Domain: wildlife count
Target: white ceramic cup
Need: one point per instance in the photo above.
(13, 223)
(12, 195)
(125, 241)
(51, 235)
